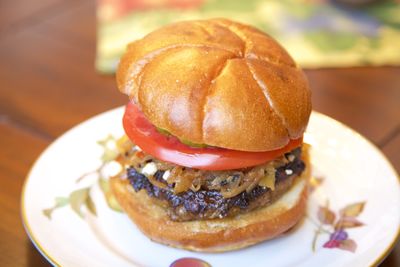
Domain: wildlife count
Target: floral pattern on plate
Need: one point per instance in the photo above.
(335, 225)
(110, 239)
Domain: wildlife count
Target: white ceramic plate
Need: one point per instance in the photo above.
(351, 169)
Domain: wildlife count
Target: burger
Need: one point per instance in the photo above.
(214, 157)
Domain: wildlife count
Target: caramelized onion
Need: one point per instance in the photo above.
(255, 175)
(182, 178)
(229, 183)
(154, 181)
(196, 185)
(235, 189)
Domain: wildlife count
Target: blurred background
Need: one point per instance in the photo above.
(58, 58)
(317, 33)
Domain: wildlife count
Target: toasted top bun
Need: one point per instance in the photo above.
(217, 82)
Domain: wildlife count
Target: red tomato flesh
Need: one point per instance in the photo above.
(170, 149)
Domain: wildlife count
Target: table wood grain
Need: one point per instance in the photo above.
(48, 84)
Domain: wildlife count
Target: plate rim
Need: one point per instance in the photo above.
(39, 247)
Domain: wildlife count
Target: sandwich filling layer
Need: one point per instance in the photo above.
(190, 194)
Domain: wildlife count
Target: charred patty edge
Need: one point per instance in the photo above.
(210, 204)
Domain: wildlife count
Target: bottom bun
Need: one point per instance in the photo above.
(216, 235)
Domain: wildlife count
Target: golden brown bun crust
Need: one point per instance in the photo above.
(216, 235)
(217, 82)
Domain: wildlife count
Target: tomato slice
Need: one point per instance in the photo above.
(170, 149)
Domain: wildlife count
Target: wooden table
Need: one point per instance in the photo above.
(48, 84)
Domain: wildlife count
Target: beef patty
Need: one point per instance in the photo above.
(210, 204)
